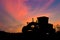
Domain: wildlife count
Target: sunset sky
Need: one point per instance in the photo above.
(15, 13)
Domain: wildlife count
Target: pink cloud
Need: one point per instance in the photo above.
(21, 12)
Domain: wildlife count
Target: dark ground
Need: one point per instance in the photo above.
(28, 36)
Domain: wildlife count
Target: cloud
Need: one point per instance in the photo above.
(18, 12)
(6, 19)
(41, 4)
